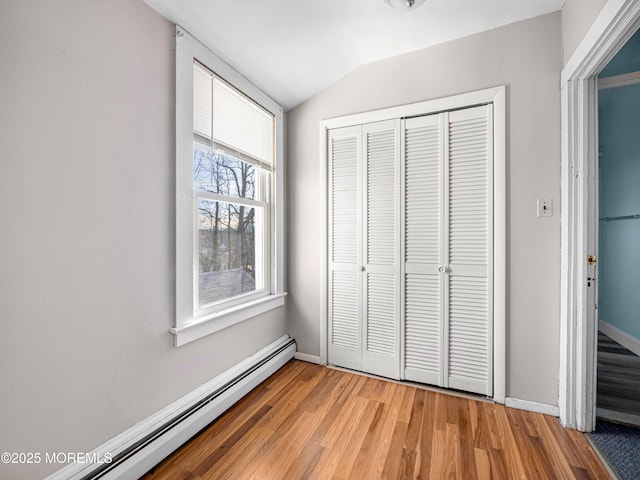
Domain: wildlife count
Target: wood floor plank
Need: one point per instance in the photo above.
(424, 452)
(339, 437)
(347, 457)
(308, 421)
(533, 459)
(498, 464)
(552, 448)
(392, 469)
(412, 437)
(395, 461)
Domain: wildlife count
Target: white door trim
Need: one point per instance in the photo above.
(617, 21)
(496, 96)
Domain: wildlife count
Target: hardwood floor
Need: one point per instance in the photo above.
(308, 421)
(618, 379)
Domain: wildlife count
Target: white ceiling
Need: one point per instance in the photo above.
(292, 49)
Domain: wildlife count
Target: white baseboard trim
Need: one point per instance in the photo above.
(623, 338)
(305, 357)
(138, 449)
(543, 408)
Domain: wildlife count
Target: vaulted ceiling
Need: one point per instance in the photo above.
(292, 49)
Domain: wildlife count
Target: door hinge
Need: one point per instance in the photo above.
(592, 260)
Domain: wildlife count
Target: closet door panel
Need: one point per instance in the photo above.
(381, 337)
(381, 307)
(423, 255)
(423, 329)
(345, 251)
(468, 334)
(468, 310)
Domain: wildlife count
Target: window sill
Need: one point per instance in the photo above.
(225, 318)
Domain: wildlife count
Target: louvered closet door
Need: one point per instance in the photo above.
(468, 314)
(345, 247)
(448, 161)
(423, 252)
(381, 338)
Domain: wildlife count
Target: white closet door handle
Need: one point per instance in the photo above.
(443, 270)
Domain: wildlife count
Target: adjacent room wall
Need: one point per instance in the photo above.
(526, 57)
(87, 228)
(577, 18)
(619, 257)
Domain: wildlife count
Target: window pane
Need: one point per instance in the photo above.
(219, 172)
(227, 251)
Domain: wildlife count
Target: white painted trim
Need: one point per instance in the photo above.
(323, 308)
(623, 80)
(149, 456)
(617, 21)
(462, 100)
(204, 323)
(500, 245)
(225, 318)
(536, 407)
(623, 338)
(495, 95)
(305, 357)
(615, 24)
(602, 457)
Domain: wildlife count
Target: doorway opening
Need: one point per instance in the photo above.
(618, 271)
(617, 22)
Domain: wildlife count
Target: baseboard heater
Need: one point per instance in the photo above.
(137, 450)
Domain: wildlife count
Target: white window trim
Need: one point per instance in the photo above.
(189, 327)
(496, 96)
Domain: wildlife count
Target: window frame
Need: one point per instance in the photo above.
(190, 323)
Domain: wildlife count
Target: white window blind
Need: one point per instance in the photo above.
(227, 117)
(202, 100)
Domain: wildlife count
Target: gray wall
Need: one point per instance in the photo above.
(577, 18)
(526, 57)
(87, 219)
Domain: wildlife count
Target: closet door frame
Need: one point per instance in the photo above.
(495, 96)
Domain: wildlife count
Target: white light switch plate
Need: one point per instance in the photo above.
(545, 207)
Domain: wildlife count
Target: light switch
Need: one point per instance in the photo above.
(545, 207)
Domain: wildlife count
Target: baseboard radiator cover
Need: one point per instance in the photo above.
(137, 450)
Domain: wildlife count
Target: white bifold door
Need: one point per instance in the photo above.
(448, 250)
(364, 248)
(410, 248)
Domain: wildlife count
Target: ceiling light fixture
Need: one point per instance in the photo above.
(404, 4)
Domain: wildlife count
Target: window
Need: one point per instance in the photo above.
(228, 208)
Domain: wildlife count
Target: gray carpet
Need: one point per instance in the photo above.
(620, 445)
